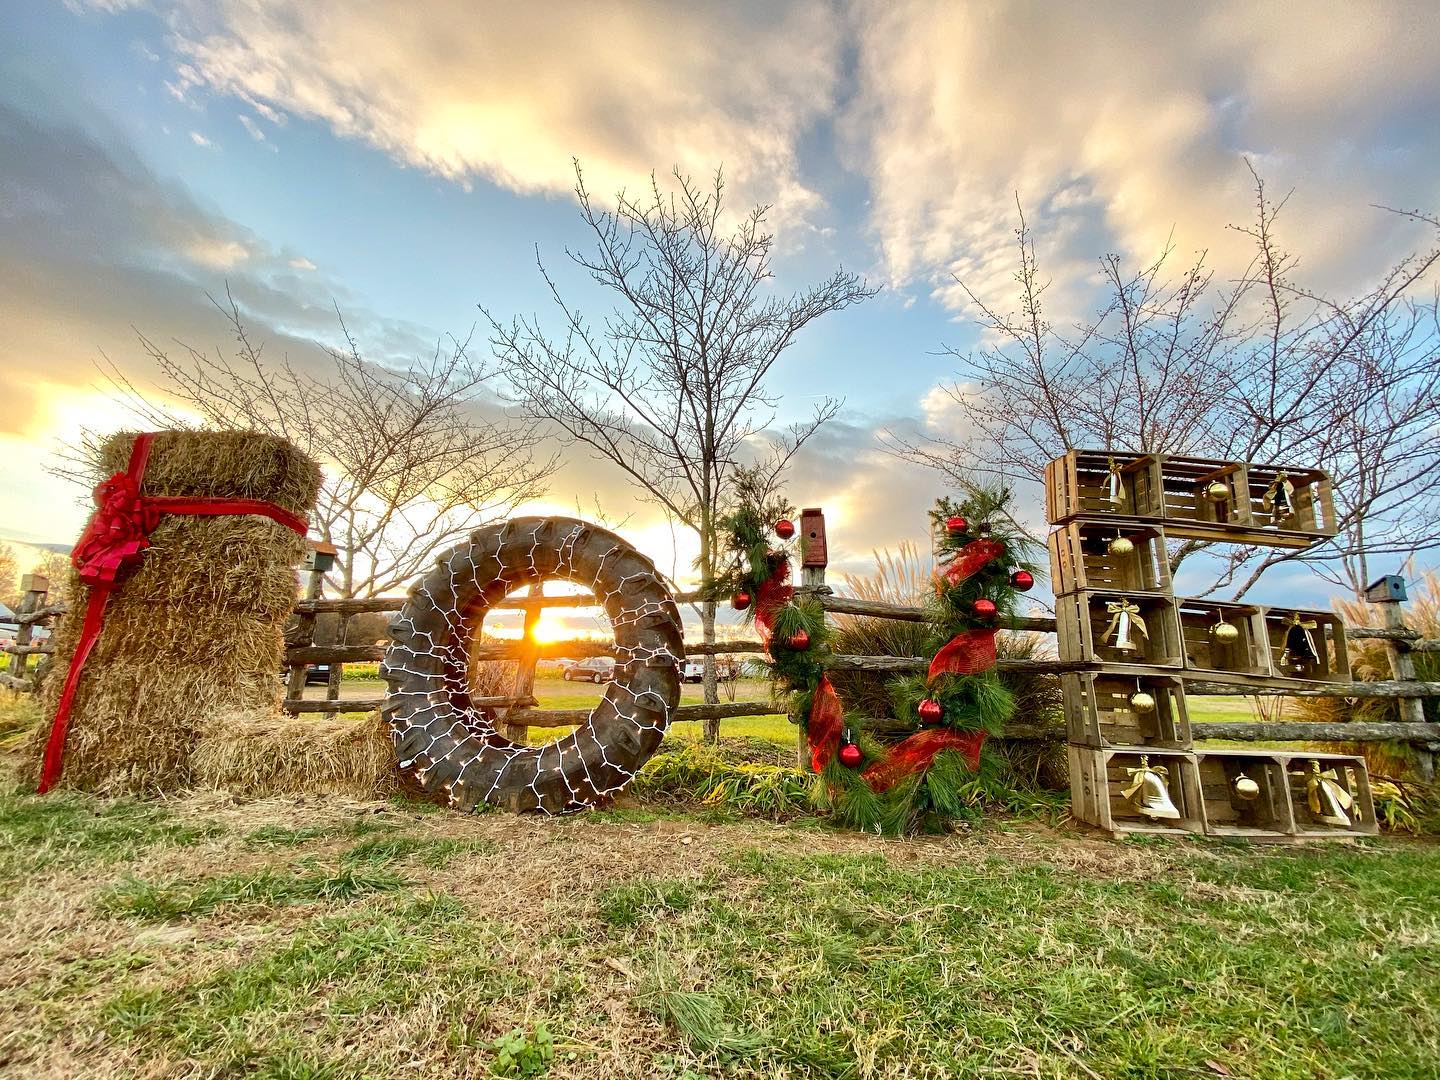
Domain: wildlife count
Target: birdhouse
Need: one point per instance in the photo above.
(321, 556)
(1389, 589)
(812, 538)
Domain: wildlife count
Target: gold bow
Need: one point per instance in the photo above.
(1118, 610)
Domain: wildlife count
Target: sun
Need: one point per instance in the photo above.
(550, 627)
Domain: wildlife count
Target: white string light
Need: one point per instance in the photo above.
(451, 746)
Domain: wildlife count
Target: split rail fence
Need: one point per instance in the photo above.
(519, 709)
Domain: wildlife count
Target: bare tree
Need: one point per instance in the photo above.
(670, 384)
(1261, 370)
(9, 577)
(413, 459)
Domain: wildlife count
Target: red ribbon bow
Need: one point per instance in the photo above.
(118, 534)
(112, 545)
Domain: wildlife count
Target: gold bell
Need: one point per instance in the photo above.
(1121, 545)
(1225, 632)
(1142, 702)
(1125, 619)
(1216, 491)
(1246, 790)
(1328, 798)
(1149, 793)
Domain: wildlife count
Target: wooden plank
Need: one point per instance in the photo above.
(849, 662)
(1392, 689)
(565, 717)
(1303, 731)
(40, 615)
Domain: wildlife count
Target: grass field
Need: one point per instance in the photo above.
(305, 938)
(555, 693)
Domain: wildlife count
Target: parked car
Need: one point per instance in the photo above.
(315, 673)
(725, 668)
(597, 669)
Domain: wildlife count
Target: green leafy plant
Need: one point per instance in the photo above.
(522, 1054)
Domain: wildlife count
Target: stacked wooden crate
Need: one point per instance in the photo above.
(1127, 717)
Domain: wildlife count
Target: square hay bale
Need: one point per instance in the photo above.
(196, 631)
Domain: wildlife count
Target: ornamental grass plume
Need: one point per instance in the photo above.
(1370, 662)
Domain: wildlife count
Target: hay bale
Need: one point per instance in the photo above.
(255, 757)
(196, 631)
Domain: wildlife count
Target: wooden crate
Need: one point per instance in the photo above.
(1076, 485)
(1182, 492)
(1246, 658)
(1099, 775)
(1266, 817)
(1098, 712)
(1314, 516)
(1080, 558)
(1082, 618)
(1328, 636)
(1352, 775)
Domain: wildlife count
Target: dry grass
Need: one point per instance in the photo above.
(344, 939)
(255, 758)
(196, 631)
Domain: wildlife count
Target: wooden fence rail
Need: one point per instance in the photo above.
(518, 709)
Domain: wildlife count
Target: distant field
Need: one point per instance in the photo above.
(555, 693)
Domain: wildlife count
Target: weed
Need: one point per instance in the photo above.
(519, 1054)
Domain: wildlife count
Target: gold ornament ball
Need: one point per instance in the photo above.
(1226, 631)
(1246, 789)
(1217, 492)
(1142, 702)
(1121, 546)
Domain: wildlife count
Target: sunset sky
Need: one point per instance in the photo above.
(404, 160)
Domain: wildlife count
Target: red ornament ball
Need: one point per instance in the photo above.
(1023, 580)
(784, 528)
(984, 609)
(850, 756)
(740, 601)
(956, 524)
(799, 641)
(930, 711)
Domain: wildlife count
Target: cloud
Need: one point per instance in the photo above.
(1116, 123)
(251, 127)
(200, 140)
(511, 93)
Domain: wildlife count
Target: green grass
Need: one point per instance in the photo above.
(346, 951)
(164, 901)
(67, 830)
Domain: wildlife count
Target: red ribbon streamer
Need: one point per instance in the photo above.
(827, 720)
(114, 543)
(967, 653)
(968, 560)
(773, 594)
(916, 753)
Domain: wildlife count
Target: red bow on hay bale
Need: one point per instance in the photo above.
(114, 544)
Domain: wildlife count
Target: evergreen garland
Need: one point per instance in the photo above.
(928, 779)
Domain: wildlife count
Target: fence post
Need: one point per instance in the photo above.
(814, 557)
(304, 635)
(36, 588)
(1402, 666)
(524, 686)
